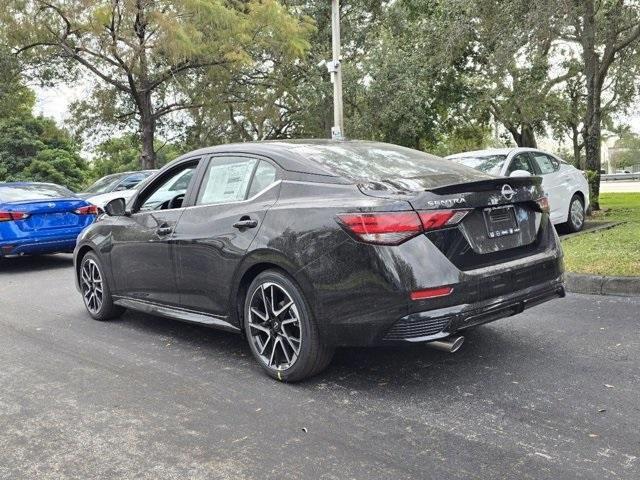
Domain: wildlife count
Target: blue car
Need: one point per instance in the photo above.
(40, 218)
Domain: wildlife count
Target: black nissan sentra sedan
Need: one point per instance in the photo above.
(311, 244)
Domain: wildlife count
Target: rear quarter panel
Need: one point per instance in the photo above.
(346, 282)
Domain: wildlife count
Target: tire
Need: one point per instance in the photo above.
(95, 290)
(282, 333)
(575, 215)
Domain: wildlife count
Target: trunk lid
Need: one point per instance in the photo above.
(48, 214)
(502, 212)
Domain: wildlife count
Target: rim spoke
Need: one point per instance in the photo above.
(290, 340)
(262, 316)
(284, 350)
(264, 345)
(260, 327)
(278, 312)
(273, 350)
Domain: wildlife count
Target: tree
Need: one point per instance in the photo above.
(36, 149)
(121, 154)
(628, 151)
(143, 54)
(605, 32)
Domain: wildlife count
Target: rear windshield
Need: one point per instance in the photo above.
(16, 193)
(380, 162)
(485, 163)
(105, 184)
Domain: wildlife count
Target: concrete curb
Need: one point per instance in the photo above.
(601, 285)
(593, 228)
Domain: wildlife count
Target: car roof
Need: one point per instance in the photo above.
(24, 184)
(493, 151)
(289, 154)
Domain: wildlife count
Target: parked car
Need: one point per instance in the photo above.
(565, 185)
(40, 218)
(311, 244)
(117, 185)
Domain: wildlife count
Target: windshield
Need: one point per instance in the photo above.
(105, 184)
(17, 193)
(381, 162)
(485, 163)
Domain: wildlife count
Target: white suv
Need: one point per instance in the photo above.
(565, 185)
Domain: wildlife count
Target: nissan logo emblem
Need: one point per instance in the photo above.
(507, 192)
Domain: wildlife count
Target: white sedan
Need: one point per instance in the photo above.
(565, 185)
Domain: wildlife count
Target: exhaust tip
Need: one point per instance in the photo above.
(457, 344)
(449, 344)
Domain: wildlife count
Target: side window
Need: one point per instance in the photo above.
(521, 162)
(130, 182)
(265, 175)
(169, 192)
(226, 180)
(546, 163)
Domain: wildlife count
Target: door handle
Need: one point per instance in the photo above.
(245, 222)
(164, 230)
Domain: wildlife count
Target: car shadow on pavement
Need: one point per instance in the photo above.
(487, 351)
(34, 263)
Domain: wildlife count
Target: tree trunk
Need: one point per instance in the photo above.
(525, 137)
(577, 148)
(147, 133)
(528, 137)
(593, 115)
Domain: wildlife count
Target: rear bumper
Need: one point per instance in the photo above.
(443, 322)
(33, 246)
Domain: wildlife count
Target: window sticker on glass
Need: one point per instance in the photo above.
(227, 182)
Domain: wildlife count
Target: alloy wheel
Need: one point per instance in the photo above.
(92, 288)
(577, 214)
(275, 327)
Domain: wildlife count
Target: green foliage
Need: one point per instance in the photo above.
(57, 166)
(121, 154)
(35, 149)
(32, 148)
(629, 153)
(151, 60)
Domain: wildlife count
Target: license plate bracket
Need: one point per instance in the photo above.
(501, 221)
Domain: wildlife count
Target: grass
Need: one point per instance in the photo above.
(615, 251)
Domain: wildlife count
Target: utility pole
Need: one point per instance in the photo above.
(334, 67)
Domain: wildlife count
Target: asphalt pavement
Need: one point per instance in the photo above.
(553, 393)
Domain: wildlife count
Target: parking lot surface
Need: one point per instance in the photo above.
(551, 393)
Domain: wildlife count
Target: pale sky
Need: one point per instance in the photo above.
(54, 102)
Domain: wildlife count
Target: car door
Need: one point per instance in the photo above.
(213, 235)
(554, 184)
(142, 257)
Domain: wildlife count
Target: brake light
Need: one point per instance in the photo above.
(8, 216)
(431, 293)
(389, 228)
(543, 203)
(393, 228)
(87, 210)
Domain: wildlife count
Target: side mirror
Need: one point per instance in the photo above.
(520, 173)
(116, 207)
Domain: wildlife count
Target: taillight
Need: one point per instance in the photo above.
(393, 228)
(87, 210)
(7, 216)
(441, 218)
(389, 228)
(543, 203)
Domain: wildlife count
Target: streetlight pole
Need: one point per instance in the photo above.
(337, 131)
